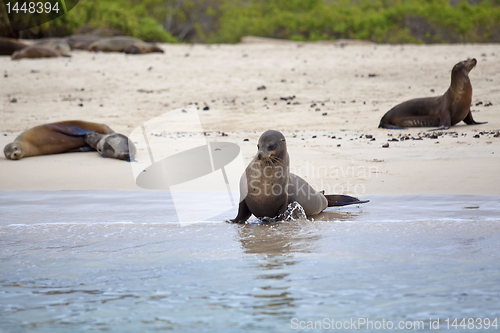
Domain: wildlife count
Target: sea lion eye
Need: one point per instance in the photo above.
(272, 147)
(15, 148)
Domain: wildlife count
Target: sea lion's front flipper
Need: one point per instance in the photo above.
(440, 128)
(69, 130)
(243, 213)
(342, 200)
(81, 149)
(470, 121)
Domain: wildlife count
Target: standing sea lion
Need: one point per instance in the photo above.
(9, 46)
(112, 145)
(53, 138)
(267, 186)
(443, 111)
(36, 52)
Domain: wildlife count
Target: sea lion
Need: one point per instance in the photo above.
(267, 187)
(113, 44)
(53, 138)
(112, 145)
(57, 44)
(443, 111)
(81, 42)
(36, 51)
(141, 48)
(9, 46)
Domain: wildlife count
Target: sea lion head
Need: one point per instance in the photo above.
(12, 151)
(271, 147)
(464, 66)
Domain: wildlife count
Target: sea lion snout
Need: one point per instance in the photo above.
(471, 63)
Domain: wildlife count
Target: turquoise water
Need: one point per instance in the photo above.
(117, 261)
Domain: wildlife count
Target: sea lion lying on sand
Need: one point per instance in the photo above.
(54, 138)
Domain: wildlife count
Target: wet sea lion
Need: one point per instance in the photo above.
(36, 52)
(81, 42)
(112, 145)
(443, 111)
(9, 46)
(267, 186)
(53, 138)
(57, 44)
(141, 48)
(113, 44)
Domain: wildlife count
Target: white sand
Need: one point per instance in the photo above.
(123, 91)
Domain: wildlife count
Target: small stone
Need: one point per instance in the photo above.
(14, 100)
(246, 140)
(261, 87)
(206, 108)
(386, 145)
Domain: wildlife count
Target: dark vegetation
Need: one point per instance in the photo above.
(226, 21)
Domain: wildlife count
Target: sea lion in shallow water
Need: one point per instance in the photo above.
(36, 51)
(267, 186)
(9, 46)
(443, 111)
(112, 145)
(53, 138)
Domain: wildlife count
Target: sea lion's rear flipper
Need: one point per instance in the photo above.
(342, 200)
(243, 213)
(470, 121)
(69, 130)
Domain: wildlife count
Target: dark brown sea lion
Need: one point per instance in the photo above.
(81, 42)
(141, 48)
(36, 52)
(53, 138)
(113, 145)
(9, 46)
(57, 44)
(267, 187)
(443, 111)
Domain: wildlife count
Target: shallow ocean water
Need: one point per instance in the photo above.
(116, 261)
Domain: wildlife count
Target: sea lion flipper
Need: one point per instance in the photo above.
(342, 200)
(243, 213)
(470, 121)
(81, 149)
(69, 130)
(440, 128)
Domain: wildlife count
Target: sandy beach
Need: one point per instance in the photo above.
(323, 97)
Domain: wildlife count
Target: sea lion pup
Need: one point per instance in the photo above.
(9, 46)
(141, 48)
(112, 145)
(57, 44)
(267, 186)
(81, 42)
(36, 51)
(53, 138)
(113, 44)
(443, 111)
